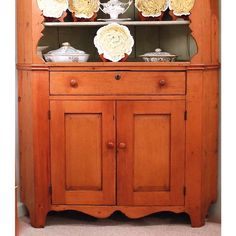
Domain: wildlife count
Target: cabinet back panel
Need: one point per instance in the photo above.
(147, 39)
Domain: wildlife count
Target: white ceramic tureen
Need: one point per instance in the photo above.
(158, 56)
(114, 42)
(66, 54)
(114, 8)
(53, 8)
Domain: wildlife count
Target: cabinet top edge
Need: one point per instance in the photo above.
(127, 66)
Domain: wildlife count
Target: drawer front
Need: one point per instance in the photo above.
(118, 83)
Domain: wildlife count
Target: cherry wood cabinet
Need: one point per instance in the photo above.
(136, 137)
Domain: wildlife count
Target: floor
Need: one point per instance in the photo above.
(78, 224)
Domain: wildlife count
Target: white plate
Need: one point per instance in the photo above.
(84, 8)
(181, 7)
(151, 8)
(114, 41)
(53, 8)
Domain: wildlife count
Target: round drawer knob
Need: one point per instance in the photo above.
(162, 82)
(74, 83)
(122, 145)
(118, 77)
(110, 145)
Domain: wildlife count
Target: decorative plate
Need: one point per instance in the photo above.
(151, 8)
(181, 7)
(114, 42)
(84, 8)
(53, 8)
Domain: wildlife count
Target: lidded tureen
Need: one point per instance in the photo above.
(66, 54)
(114, 8)
(158, 56)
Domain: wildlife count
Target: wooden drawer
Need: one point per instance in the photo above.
(107, 83)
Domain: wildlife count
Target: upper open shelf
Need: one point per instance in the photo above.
(101, 23)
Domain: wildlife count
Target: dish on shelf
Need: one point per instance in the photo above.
(115, 7)
(115, 20)
(158, 56)
(53, 9)
(151, 8)
(114, 42)
(66, 54)
(181, 7)
(84, 9)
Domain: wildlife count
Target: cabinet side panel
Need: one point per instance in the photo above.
(26, 139)
(210, 136)
(193, 179)
(34, 143)
(24, 31)
(40, 101)
(204, 26)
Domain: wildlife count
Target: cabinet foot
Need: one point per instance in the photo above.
(37, 219)
(197, 220)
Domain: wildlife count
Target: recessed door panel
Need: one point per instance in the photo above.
(82, 162)
(151, 152)
(83, 151)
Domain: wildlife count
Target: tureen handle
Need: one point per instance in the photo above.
(101, 4)
(128, 5)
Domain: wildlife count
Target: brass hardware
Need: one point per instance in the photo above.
(117, 77)
(74, 83)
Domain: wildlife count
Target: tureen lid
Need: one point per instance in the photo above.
(66, 49)
(158, 52)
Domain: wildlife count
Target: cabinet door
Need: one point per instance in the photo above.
(151, 153)
(82, 154)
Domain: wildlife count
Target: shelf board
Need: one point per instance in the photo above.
(101, 23)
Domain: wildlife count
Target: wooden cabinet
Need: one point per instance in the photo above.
(136, 137)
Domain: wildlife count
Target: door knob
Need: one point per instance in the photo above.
(110, 145)
(162, 82)
(117, 77)
(122, 146)
(74, 83)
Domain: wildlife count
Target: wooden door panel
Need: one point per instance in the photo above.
(83, 151)
(82, 165)
(158, 177)
(151, 168)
